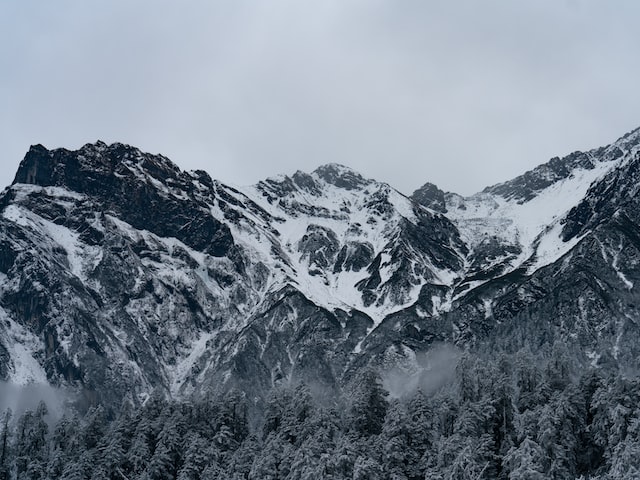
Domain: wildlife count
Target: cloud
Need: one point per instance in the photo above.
(20, 398)
(460, 93)
(433, 370)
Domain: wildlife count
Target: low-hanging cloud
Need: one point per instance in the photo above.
(404, 92)
(20, 398)
(433, 369)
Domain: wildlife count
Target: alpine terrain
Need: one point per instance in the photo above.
(127, 281)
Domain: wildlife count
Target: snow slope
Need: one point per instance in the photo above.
(532, 223)
(368, 213)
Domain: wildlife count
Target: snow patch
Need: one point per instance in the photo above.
(22, 345)
(594, 357)
(616, 257)
(80, 257)
(488, 309)
(372, 214)
(550, 247)
(534, 226)
(180, 373)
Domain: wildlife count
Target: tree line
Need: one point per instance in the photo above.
(515, 416)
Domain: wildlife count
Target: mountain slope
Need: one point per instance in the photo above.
(119, 273)
(572, 277)
(521, 223)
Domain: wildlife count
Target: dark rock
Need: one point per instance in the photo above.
(341, 176)
(354, 256)
(121, 179)
(431, 197)
(320, 245)
(526, 186)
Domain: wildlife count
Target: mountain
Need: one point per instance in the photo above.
(120, 273)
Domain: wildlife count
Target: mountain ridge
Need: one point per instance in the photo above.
(114, 259)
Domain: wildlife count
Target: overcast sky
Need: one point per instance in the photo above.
(461, 93)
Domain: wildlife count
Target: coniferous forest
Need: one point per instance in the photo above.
(518, 416)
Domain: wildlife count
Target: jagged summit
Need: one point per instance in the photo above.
(430, 196)
(532, 183)
(147, 191)
(526, 186)
(176, 254)
(314, 183)
(340, 176)
(627, 141)
(96, 161)
(536, 218)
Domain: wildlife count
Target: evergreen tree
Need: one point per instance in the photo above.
(31, 449)
(531, 389)
(61, 445)
(525, 462)
(625, 458)
(369, 404)
(233, 414)
(311, 459)
(112, 450)
(366, 468)
(560, 366)
(277, 403)
(140, 452)
(195, 457)
(395, 443)
(5, 445)
(79, 467)
(166, 459)
(274, 462)
(94, 426)
(559, 423)
(467, 378)
(343, 458)
(466, 458)
(243, 458)
(500, 391)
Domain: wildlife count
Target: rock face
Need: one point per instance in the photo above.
(430, 196)
(119, 273)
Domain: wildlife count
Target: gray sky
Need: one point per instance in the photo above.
(461, 93)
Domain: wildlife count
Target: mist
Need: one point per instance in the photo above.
(434, 369)
(20, 398)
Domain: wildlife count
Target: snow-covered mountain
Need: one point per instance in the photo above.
(119, 273)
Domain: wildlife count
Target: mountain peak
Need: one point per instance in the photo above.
(526, 186)
(430, 196)
(62, 167)
(340, 176)
(147, 191)
(37, 167)
(628, 141)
